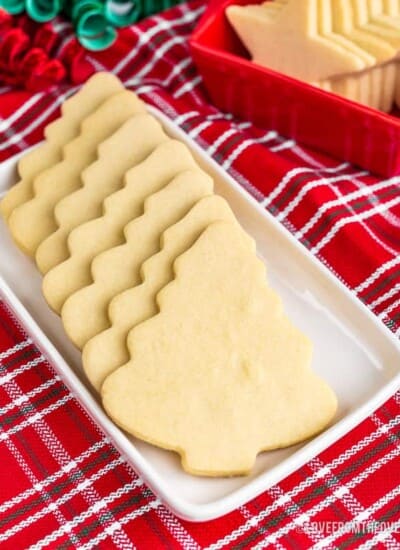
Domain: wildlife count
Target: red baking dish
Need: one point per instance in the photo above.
(316, 118)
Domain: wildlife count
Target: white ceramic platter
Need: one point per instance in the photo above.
(354, 352)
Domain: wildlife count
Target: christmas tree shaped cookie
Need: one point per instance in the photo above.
(85, 313)
(220, 374)
(107, 351)
(88, 240)
(97, 89)
(33, 221)
(290, 42)
(128, 146)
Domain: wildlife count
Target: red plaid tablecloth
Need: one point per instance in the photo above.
(62, 484)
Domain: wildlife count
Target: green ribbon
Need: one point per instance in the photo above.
(15, 7)
(92, 27)
(123, 13)
(150, 7)
(43, 10)
(94, 20)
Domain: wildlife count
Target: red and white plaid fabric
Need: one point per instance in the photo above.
(62, 484)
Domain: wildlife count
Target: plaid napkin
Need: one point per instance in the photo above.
(62, 484)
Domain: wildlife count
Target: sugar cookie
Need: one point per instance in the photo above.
(97, 89)
(128, 146)
(290, 42)
(325, 29)
(352, 87)
(33, 221)
(357, 88)
(382, 78)
(368, 15)
(107, 351)
(91, 238)
(391, 7)
(220, 374)
(343, 20)
(378, 13)
(85, 313)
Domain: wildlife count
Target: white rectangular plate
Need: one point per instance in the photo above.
(354, 352)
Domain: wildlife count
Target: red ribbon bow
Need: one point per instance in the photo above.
(31, 55)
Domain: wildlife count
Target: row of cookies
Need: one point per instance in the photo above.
(350, 47)
(161, 289)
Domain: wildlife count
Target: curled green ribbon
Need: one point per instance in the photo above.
(95, 21)
(92, 27)
(15, 7)
(43, 10)
(123, 13)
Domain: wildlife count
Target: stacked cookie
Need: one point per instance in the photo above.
(350, 47)
(161, 289)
